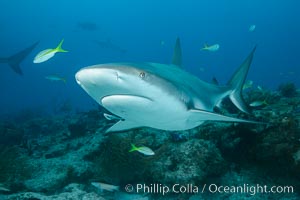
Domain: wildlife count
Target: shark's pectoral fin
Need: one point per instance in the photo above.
(201, 115)
(122, 126)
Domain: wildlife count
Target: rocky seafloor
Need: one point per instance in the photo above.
(58, 157)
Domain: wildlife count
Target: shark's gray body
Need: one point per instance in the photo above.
(160, 96)
(15, 60)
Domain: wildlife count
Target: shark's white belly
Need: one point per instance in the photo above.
(164, 112)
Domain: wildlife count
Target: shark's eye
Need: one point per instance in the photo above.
(142, 74)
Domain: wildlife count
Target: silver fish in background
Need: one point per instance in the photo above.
(259, 103)
(56, 78)
(105, 187)
(252, 28)
(212, 48)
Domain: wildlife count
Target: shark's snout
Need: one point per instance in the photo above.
(78, 77)
(85, 75)
(96, 76)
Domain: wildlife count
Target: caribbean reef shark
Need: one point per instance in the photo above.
(160, 96)
(15, 60)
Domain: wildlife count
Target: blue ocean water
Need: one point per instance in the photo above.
(55, 149)
(139, 27)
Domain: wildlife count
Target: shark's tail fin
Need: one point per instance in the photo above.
(237, 81)
(15, 60)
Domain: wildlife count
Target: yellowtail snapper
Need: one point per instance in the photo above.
(48, 53)
(143, 150)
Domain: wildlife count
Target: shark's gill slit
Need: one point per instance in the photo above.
(117, 75)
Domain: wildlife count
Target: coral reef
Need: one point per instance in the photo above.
(77, 129)
(58, 157)
(189, 162)
(287, 89)
(116, 164)
(14, 167)
(72, 191)
(10, 134)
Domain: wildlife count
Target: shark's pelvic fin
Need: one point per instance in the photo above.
(176, 60)
(202, 115)
(237, 81)
(15, 60)
(121, 126)
(111, 117)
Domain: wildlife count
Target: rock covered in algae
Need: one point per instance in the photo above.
(188, 162)
(213, 152)
(72, 191)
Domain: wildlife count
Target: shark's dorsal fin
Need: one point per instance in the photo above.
(176, 60)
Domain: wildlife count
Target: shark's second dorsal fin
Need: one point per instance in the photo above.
(214, 81)
(176, 60)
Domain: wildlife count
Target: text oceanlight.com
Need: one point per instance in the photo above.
(211, 188)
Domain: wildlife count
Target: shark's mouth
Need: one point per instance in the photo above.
(123, 98)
